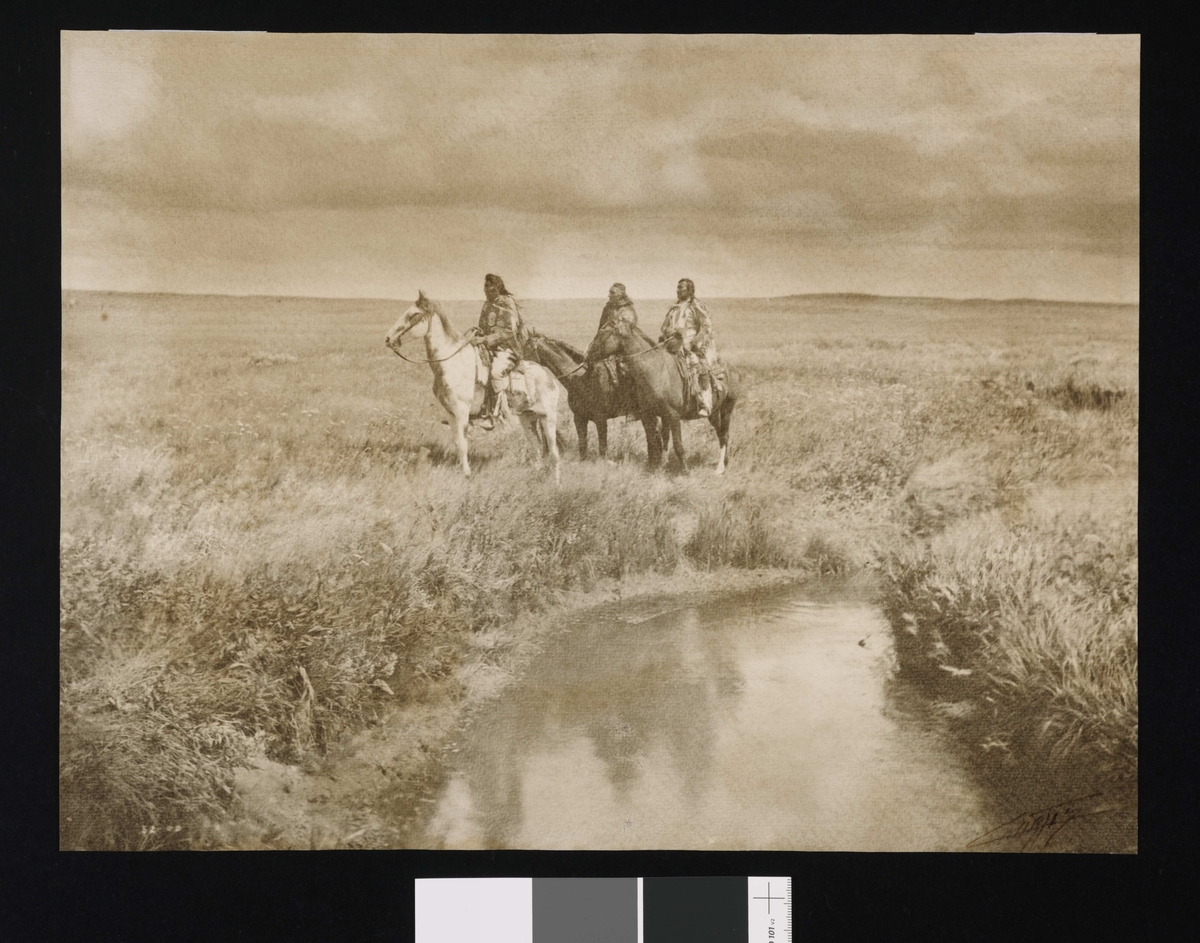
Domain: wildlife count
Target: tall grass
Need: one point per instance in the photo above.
(1033, 625)
(1015, 601)
(203, 632)
(266, 544)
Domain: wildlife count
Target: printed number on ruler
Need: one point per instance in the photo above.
(770, 909)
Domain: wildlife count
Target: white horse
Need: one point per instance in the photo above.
(460, 377)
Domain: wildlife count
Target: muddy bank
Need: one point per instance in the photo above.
(378, 788)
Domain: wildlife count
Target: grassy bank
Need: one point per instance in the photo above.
(176, 670)
(1014, 603)
(1026, 631)
(266, 547)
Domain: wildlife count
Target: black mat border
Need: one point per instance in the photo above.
(297, 896)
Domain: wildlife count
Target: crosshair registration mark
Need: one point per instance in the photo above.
(768, 898)
(771, 923)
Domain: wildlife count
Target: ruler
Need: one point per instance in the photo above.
(769, 909)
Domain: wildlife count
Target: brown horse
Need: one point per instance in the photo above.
(660, 391)
(590, 397)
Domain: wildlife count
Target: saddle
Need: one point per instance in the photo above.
(608, 374)
(517, 378)
(690, 373)
(612, 376)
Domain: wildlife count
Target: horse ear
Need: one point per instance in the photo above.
(421, 299)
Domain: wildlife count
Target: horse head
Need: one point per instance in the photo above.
(609, 341)
(416, 315)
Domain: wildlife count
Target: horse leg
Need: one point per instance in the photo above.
(675, 428)
(602, 437)
(654, 444)
(720, 422)
(529, 424)
(550, 429)
(581, 432)
(460, 438)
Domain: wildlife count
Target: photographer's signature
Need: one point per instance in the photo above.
(1030, 827)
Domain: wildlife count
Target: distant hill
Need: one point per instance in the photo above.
(847, 297)
(934, 299)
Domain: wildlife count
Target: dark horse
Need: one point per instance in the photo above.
(589, 395)
(660, 391)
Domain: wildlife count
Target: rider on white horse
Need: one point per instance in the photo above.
(502, 332)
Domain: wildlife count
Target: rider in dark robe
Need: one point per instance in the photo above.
(618, 309)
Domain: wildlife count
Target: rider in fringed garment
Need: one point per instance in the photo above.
(689, 327)
(501, 331)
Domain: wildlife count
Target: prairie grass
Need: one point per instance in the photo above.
(1033, 622)
(266, 544)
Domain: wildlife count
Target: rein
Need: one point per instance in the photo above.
(648, 350)
(471, 332)
(562, 376)
(582, 365)
(651, 349)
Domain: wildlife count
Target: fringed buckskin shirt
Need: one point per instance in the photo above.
(690, 318)
(499, 323)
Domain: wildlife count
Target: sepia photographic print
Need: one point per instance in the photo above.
(721, 442)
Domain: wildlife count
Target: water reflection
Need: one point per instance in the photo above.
(761, 723)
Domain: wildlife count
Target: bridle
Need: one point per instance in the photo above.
(582, 365)
(610, 328)
(471, 332)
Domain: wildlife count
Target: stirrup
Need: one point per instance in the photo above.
(486, 419)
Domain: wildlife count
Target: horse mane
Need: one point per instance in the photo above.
(638, 332)
(570, 350)
(425, 303)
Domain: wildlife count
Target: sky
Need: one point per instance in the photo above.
(371, 165)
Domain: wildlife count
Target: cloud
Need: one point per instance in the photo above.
(975, 143)
(105, 94)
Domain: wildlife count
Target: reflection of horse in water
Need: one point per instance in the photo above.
(591, 395)
(460, 378)
(661, 390)
(658, 698)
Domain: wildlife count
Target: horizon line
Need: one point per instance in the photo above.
(1021, 299)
